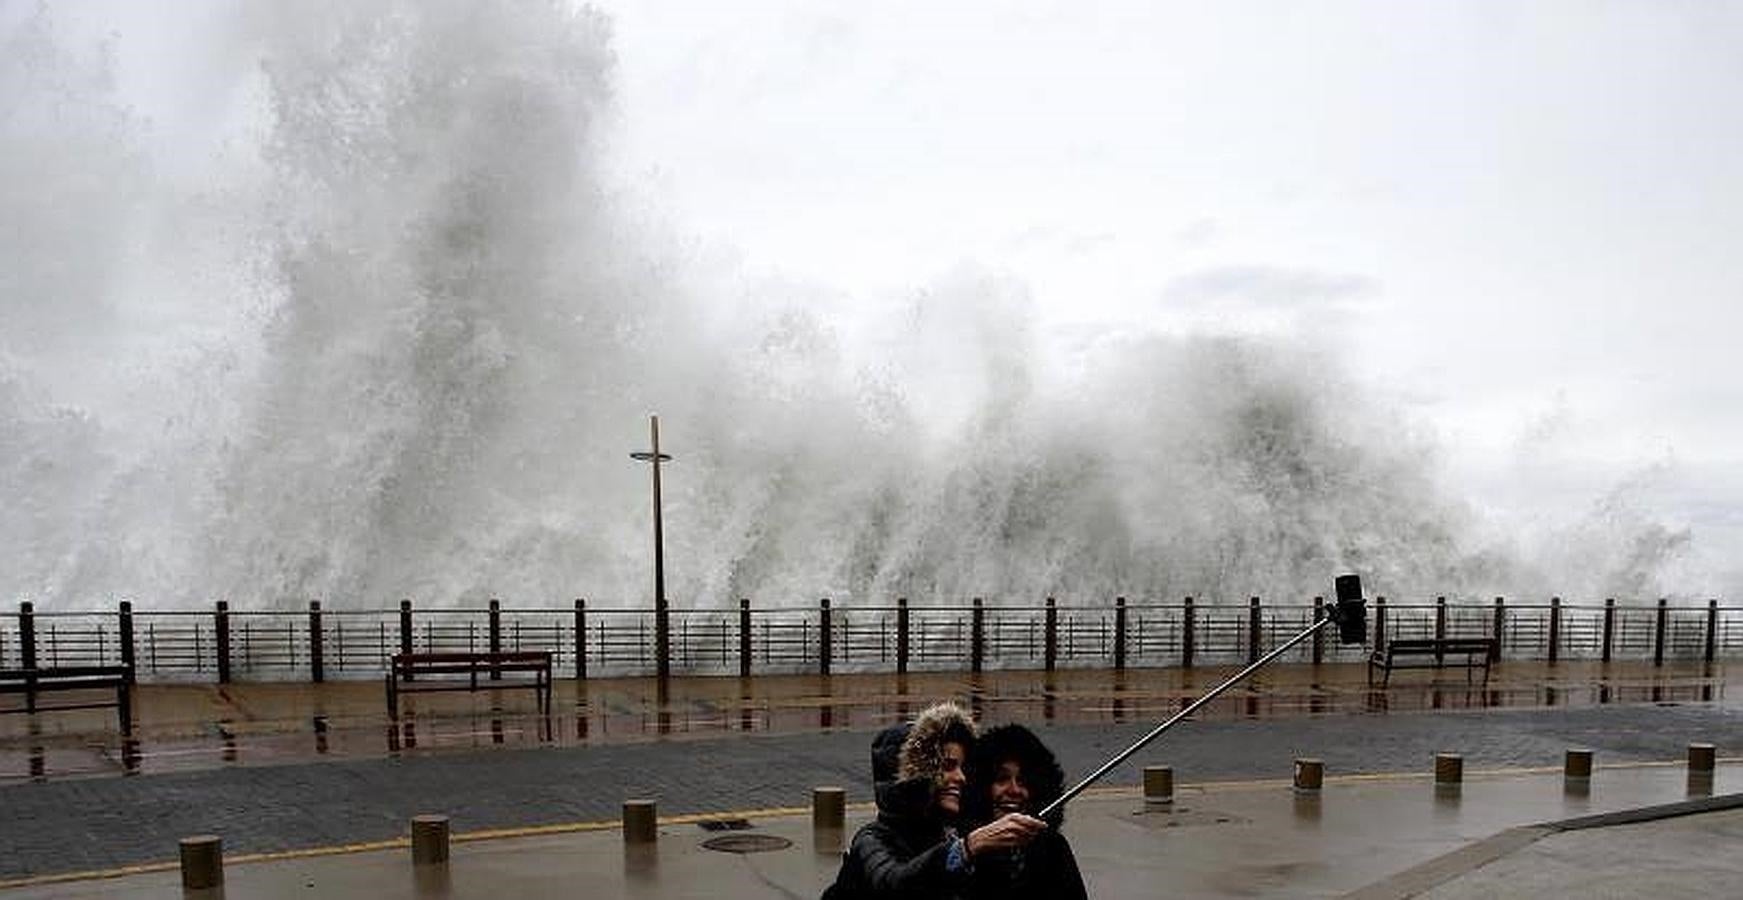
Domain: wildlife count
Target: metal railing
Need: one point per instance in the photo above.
(223, 644)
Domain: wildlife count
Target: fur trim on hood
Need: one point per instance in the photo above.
(923, 750)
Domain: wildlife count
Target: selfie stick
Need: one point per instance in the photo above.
(1350, 614)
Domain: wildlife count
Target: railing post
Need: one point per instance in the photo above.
(901, 635)
(1379, 623)
(27, 649)
(405, 626)
(1253, 629)
(317, 673)
(663, 638)
(27, 634)
(1186, 634)
(493, 628)
(126, 626)
(976, 636)
(1318, 633)
(1439, 627)
(1659, 631)
(744, 637)
(221, 628)
(1712, 628)
(1609, 626)
(1500, 626)
(580, 638)
(1554, 629)
(825, 634)
(1119, 634)
(1050, 636)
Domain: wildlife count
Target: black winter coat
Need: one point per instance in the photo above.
(901, 855)
(1044, 870)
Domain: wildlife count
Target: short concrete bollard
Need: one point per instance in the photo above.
(1577, 764)
(202, 861)
(1309, 774)
(639, 825)
(429, 840)
(1158, 785)
(1702, 757)
(828, 808)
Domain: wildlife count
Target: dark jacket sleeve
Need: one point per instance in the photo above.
(888, 872)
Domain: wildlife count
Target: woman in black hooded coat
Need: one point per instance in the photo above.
(1010, 770)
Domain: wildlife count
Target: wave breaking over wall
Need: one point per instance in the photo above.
(383, 331)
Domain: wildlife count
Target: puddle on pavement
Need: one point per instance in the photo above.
(291, 722)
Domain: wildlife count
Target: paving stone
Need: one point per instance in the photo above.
(91, 823)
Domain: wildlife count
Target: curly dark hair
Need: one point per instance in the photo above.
(1041, 773)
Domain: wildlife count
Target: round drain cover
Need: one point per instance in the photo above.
(747, 843)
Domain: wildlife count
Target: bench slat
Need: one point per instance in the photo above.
(42, 674)
(31, 682)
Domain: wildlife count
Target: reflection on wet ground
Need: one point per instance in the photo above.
(197, 726)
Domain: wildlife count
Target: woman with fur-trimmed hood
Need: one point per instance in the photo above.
(1011, 771)
(914, 849)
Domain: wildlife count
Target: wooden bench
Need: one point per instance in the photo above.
(416, 673)
(31, 682)
(1467, 653)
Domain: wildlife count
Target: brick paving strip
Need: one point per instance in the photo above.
(70, 825)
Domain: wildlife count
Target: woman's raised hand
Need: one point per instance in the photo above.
(1006, 832)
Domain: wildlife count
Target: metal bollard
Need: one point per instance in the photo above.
(429, 840)
(828, 808)
(1577, 773)
(639, 825)
(202, 861)
(828, 818)
(1309, 774)
(1449, 769)
(1158, 785)
(1701, 765)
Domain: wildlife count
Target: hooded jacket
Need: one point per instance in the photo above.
(906, 852)
(1046, 868)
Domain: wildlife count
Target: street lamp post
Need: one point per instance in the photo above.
(662, 625)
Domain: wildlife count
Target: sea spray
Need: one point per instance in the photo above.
(396, 339)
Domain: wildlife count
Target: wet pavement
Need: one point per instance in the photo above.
(1219, 840)
(182, 727)
(298, 768)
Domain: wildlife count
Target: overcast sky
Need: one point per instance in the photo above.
(1519, 221)
(1516, 222)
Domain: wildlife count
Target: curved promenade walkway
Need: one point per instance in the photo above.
(303, 768)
